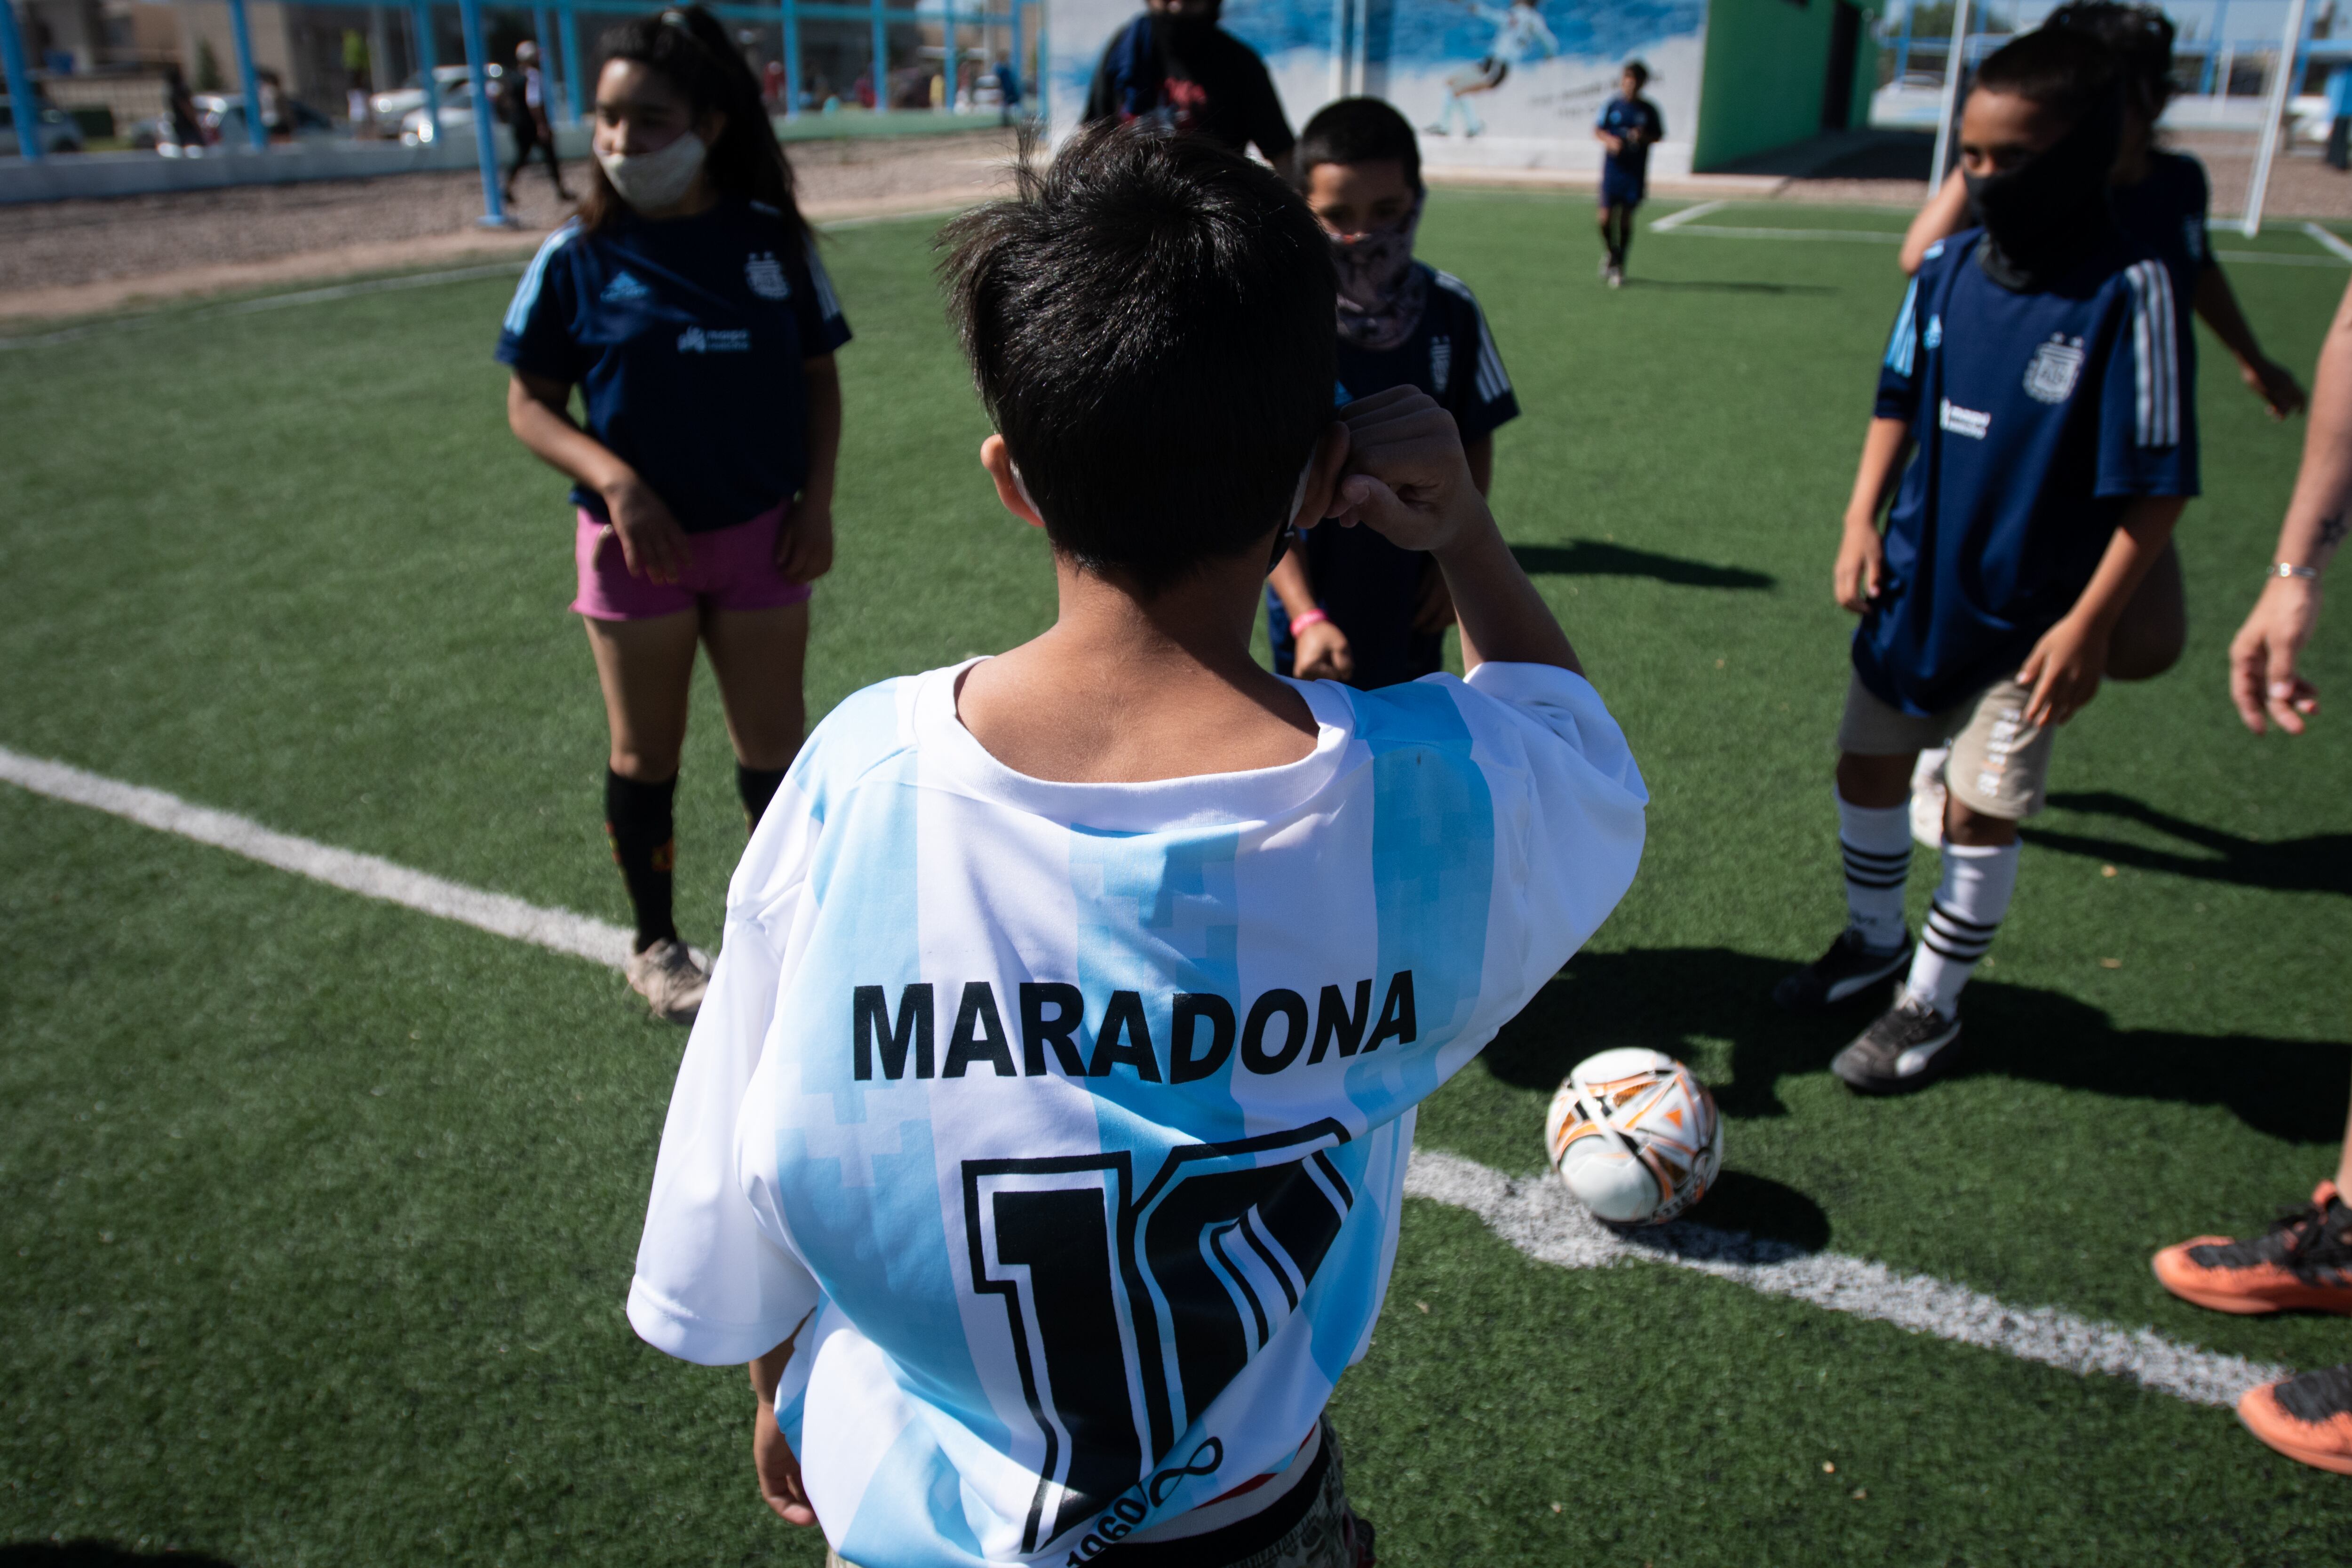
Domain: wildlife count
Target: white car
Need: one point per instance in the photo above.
(394, 109)
(456, 116)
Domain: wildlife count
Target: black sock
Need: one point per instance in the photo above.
(758, 787)
(637, 819)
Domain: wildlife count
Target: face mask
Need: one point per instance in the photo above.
(2045, 216)
(1382, 292)
(655, 181)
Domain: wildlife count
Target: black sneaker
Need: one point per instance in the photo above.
(1847, 968)
(1909, 1047)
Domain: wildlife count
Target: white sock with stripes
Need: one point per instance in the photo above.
(1969, 902)
(1876, 846)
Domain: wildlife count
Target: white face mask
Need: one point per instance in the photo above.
(655, 181)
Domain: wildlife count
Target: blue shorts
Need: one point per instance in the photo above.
(1620, 189)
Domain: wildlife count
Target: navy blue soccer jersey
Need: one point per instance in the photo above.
(1368, 586)
(1621, 115)
(686, 337)
(2038, 417)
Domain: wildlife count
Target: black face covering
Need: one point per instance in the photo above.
(1181, 34)
(2046, 215)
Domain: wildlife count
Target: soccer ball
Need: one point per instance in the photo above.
(1634, 1136)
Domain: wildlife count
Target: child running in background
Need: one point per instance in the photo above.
(1346, 604)
(2160, 198)
(1630, 126)
(688, 305)
(2035, 369)
(1042, 1143)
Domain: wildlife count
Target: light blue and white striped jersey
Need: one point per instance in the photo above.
(1066, 1125)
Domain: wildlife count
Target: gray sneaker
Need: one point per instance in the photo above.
(1909, 1047)
(671, 979)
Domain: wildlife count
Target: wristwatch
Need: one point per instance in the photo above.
(2288, 569)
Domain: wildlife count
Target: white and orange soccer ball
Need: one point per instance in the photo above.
(1634, 1136)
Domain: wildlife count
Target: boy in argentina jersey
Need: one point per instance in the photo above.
(1041, 1141)
(2034, 368)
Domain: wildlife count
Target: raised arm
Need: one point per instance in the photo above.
(1945, 213)
(1408, 477)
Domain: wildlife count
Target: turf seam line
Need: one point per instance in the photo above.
(1538, 1218)
(1542, 1219)
(558, 930)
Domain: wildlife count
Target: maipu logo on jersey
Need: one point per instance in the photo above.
(2050, 374)
(766, 276)
(1970, 422)
(622, 287)
(714, 341)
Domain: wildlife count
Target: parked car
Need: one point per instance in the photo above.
(58, 131)
(394, 109)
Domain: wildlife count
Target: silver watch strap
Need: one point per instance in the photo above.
(2288, 569)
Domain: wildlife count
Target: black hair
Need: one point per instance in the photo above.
(690, 48)
(1357, 130)
(2140, 39)
(2072, 74)
(1637, 70)
(1151, 324)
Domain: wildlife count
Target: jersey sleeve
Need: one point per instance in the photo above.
(823, 327)
(712, 1285)
(537, 334)
(1572, 815)
(1480, 396)
(2148, 442)
(1898, 370)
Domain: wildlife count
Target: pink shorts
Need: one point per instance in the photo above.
(733, 569)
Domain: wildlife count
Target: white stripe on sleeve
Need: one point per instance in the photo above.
(827, 306)
(2156, 357)
(526, 293)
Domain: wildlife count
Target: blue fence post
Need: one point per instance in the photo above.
(568, 21)
(1044, 77)
(486, 146)
(542, 33)
(1903, 45)
(1020, 76)
(948, 38)
(255, 132)
(429, 66)
(881, 62)
(2213, 37)
(791, 59)
(22, 106)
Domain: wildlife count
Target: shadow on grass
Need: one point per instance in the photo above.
(2321, 863)
(1586, 558)
(96, 1554)
(1664, 997)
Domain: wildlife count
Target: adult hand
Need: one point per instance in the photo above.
(2064, 671)
(2275, 384)
(651, 540)
(1407, 477)
(804, 542)
(779, 1468)
(1321, 652)
(2262, 679)
(1861, 568)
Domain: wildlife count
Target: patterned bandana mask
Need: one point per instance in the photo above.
(1382, 292)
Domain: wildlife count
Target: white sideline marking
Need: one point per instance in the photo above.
(1675, 220)
(267, 302)
(1866, 235)
(1543, 1220)
(1539, 1216)
(2328, 242)
(559, 930)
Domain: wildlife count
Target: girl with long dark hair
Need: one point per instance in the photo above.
(686, 304)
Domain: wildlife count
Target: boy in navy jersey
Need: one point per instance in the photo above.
(1630, 126)
(2035, 367)
(1345, 603)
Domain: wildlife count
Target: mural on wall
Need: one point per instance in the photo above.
(1498, 83)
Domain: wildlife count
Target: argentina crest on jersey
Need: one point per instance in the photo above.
(765, 275)
(2056, 365)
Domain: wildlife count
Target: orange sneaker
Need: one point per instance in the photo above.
(2304, 1261)
(2308, 1418)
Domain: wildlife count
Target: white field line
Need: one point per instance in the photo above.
(559, 930)
(1538, 1218)
(2328, 242)
(1543, 1220)
(1862, 235)
(266, 302)
(1672, 221)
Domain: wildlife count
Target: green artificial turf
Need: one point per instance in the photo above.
(318, 1213)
